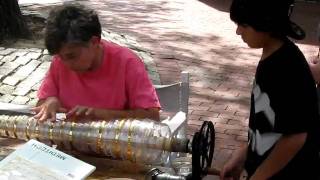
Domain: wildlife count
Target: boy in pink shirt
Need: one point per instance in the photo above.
(90, 78)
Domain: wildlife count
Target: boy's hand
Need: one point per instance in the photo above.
(231, 171)
(81, 112)
(234, 167)
(48, 109)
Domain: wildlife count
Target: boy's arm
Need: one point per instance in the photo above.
(40, 102)
(52, 99)
(235, 165)
(47, 108)
(285, 149)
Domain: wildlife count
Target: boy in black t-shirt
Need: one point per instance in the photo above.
(284, 129)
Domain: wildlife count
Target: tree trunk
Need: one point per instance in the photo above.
(12, 23)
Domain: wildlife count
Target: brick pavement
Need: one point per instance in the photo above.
(198, 36)
(192, 36)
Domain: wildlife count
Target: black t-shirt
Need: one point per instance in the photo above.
(283, 102)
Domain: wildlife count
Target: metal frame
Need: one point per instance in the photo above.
(174, 98)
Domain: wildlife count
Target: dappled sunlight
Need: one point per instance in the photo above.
(305, 14)
(198, 36)
(310, 51)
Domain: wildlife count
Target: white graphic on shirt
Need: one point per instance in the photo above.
(261, 143)
(262, 103)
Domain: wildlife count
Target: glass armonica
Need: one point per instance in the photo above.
(142, 141)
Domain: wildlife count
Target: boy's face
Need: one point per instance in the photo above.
(251, 37)
(79, 57)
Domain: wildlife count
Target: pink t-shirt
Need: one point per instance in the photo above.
(120, 83)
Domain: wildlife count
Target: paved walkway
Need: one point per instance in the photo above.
(199, 37)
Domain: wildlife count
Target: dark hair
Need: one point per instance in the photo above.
(70, 23)
(271, 16)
